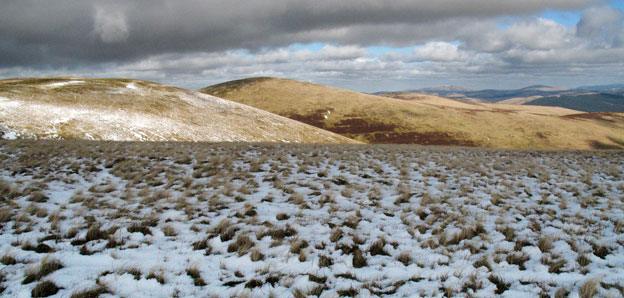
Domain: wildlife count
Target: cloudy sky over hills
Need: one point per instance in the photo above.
(363, 45)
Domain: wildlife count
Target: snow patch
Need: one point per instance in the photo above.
(61, 84)
(8, 134)
(7, 103)
(132, 86)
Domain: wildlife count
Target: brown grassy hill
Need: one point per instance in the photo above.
(426, 119)
(131, 110)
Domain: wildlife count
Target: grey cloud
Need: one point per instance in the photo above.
(603, 25)
(196, 43)
(64, 31)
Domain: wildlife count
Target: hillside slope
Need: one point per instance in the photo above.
(131, 110)
(590, 102)
(426, 119)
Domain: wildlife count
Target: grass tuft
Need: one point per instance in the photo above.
(91, 293)
(377, 248)
(169, 231)
(193, 272)
(589, 288)
(242, 245)
(359, 260)
(405, 258)
(47, 266)
(44, 289)
(501, 285)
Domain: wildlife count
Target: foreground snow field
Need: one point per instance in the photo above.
(82, 219)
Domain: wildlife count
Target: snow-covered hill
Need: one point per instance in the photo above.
(130, 110)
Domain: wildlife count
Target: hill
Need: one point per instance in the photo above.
(599, 98)
(589, 102)
(487, 95)
(131, 110)
(426, 119)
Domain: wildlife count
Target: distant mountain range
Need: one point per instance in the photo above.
(600, 98)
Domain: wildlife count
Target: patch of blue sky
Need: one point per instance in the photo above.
(382, 50)
(374, 50)
(616, 4)
(313, 47)
(567, 18)
(244, 53)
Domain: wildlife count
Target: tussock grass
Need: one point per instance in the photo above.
(159, 277)
(38, 197)
(544, 244)
(296, 245)
(256, 255)
(377, 248)
(194, 273)
(95, 233)
(44, 268)
(589, 288)
(91, 293)
(169, 231)
(352, 220)
(6, 214)
(405, 258)
(359, 260)
(501, 285)
(8, 259)
(241, 246)
(134, 271)
(44, 289)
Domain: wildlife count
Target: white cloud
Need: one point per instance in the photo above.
(110, 25)
(539, 34)
(440, 51)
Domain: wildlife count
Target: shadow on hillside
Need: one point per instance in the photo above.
(600, 145)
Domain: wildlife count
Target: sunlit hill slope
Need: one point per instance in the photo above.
(426, 119)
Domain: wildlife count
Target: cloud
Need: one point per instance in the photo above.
(195, 42)
(539, 34)
(603, 25)
(110, 25)
(440, 51)
(58, 32)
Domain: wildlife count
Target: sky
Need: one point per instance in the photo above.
(361, 45)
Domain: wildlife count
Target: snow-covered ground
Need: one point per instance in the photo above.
(223, 220)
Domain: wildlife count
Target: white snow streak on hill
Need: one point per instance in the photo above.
(61, 84)
(142, 111)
